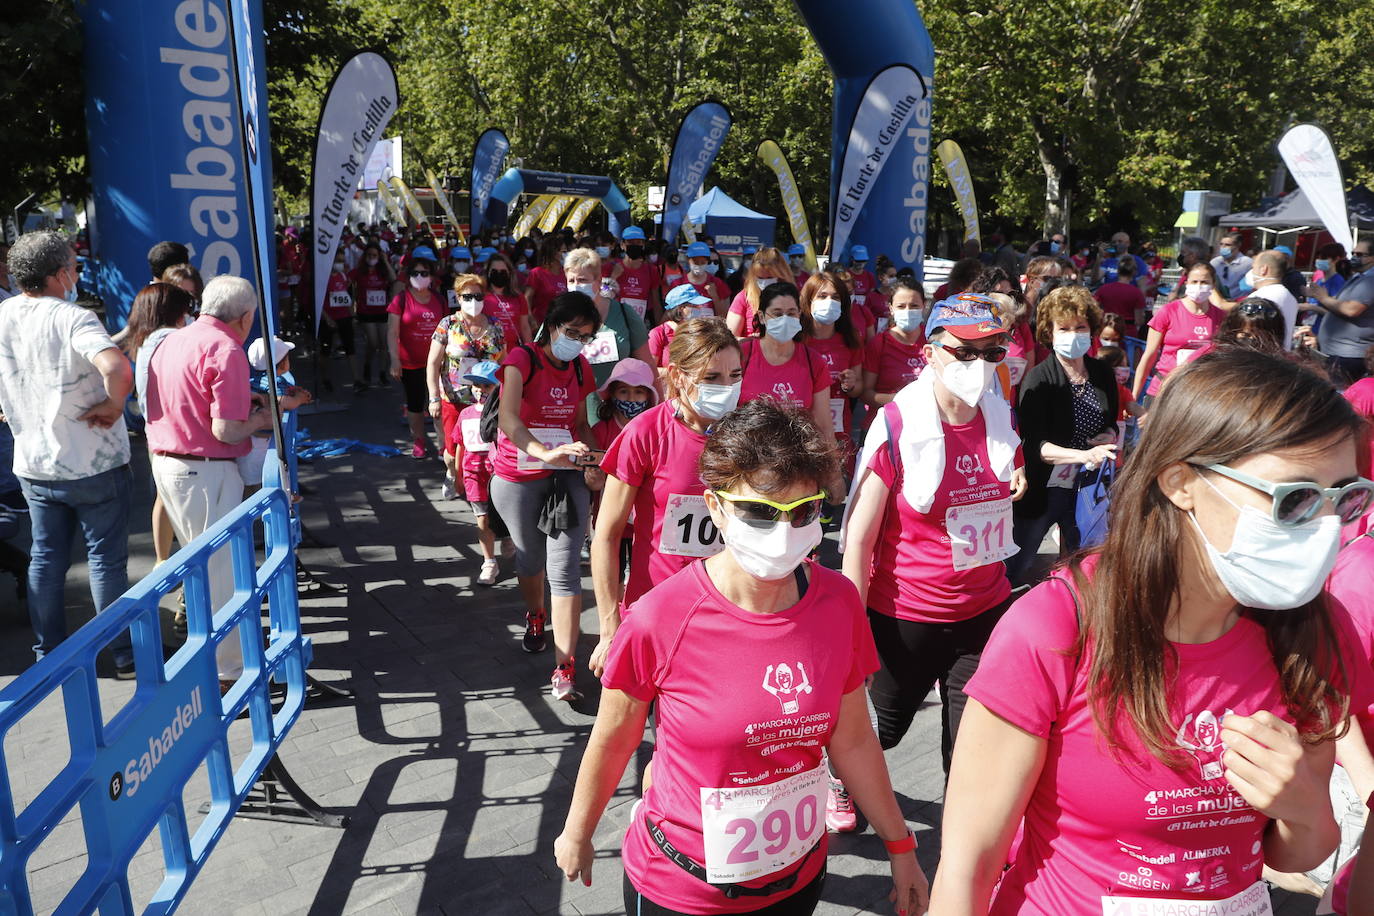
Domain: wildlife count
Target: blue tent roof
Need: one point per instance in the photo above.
(716, 203)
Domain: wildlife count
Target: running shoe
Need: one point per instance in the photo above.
(417, 450)
(491, 570)
(383, 381)
(839, 809)
(534, 640)
(360, 386)
(449, 491)
(562, 681)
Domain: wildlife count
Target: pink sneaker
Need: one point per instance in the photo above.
(562, 680)
(417, 450)
(839, 809)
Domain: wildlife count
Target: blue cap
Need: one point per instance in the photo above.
(484, 255)
(633, 233)
(460, 254)
(698, 250)
(970, 316)
(750, 249)
(685, 294)
(483, 373)
(423, 253)
(796, 250)
(858, 253)
(1285, 249)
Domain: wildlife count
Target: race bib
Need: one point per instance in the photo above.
(293, 280)
(1064, 475)
(979, 533)
(452, 300)
(639, 306)
(472, 437)
(1016, 368)
(688, 530)
(1185, 354)
(602, 348)
(837, 414)
(753, 831)
(551, 438)
(341, 301)
(376, 298)
(1253, 901)
(882, 324)
(858, 298)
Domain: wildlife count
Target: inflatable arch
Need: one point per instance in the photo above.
(526, 181)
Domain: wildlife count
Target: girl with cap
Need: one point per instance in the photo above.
(778, 365)
(929, 523)
(1067, 415)
(622, 332)
(1178, 331)
(894, 358)
(639, 280)
(504, 304)
(740, 653)
(834, 337)
(543, 446)
(683, 303)
(473, 457)
(862, 281)
(629, 392)
(460, 341)
(1189, 667)
(767, 268)
(546, 280)
(701, 275)
(414, 314)
(373, 279)
(796, 260)
(651, 473)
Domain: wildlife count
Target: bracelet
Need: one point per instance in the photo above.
(436, 400)
(905, 844)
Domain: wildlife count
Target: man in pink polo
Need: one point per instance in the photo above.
(201, 414)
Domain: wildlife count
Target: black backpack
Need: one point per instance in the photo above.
(490, 422)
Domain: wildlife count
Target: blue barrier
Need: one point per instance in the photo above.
(128, 775)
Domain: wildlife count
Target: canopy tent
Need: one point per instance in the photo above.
(1293, 210)
(730, 223)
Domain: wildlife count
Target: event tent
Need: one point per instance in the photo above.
(1293, 211)
(730, 223)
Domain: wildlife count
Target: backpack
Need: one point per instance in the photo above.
(490, 421)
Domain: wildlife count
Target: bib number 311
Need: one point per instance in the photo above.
(753, 831)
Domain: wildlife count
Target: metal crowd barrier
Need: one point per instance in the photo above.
(127, 776)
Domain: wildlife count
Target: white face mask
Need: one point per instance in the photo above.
(783, 328)
(653, 259)
(420, 282)
(825, 311)
(967, 381)
(471, 305)
(1271, 566)
(699, 269)
(764, 282)
(1201, 293)
(906, 319)
(770, 553)
(588, 288)
(603, 252)
(714, 401)
(566, 349)
(1072, 344)
(712, 268)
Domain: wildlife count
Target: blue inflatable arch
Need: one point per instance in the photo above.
(527, 181)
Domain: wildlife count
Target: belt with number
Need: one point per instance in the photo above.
(696, 870)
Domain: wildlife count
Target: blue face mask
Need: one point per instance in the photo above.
(1246, 284)
(1054, 247)
(630, 409)
(906, 319)
(1323, 265)
(1225, 251)
(70, 294)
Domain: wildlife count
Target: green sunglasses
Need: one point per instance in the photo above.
(758, 512)
(1297, 502)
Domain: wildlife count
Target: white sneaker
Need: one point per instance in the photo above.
(490, 571)
(449, 491)
(562, 681)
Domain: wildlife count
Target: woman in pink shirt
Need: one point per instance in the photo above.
(1178, 331)
(651, 473)
(755, 659)
(373, 279)
(414, 314)
(836, 339)
(1157, 719)
(546, 280)
(504, 305)
(683, 303)
(768, 267)
(894, 358)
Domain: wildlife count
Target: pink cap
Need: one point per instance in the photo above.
(633, 372)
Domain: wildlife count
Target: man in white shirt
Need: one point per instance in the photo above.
(1267, 275)
(63, 384)
(1231, 266)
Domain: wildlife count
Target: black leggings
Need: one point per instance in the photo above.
(916, 655)
(416, 385)
(801, 903)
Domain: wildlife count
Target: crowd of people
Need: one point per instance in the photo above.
(1150, 721)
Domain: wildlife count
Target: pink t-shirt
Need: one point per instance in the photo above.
(1184, 334)
(1352, 604)
(418, 321)
(203, 377)
(660, 339)
(1119, 822)
(713, 288)
(475, 463)
(338, 301)
(914, 574)
(637, 285)
(740, 306)
(1121, 299)
(1361, 397)
(658, 454)
(1020, 349)
(860, 285)
(549, 402)
(506, 309)
(371, 292)
(754, 717)
(896, 364)
(795, 383)
(837, 358)
(546, 286)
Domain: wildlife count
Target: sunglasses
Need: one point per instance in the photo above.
(1298, 502)
(969, 354)
(1258, 309)
(758, 512)
(419, 273)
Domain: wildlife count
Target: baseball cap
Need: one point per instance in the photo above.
(423, 253)
(483, 373)
(633, 372)
(750, 250)
(796, 250)
(858, 253)
(257, 350)
(484, 255)
(685, 294)
(460, 253)
(698, 250)
(1285, 249)
(633, 233)
(968, 316)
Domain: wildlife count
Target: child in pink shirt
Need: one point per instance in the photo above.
(473, 457)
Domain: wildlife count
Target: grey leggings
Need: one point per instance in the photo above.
(519, 504)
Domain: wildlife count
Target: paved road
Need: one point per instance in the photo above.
(453, 764)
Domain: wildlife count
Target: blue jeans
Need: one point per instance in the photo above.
(99, 505)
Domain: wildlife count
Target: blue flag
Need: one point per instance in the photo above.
(488, 159)
(698, 141)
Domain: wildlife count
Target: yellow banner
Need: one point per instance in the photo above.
(549, 221)
(408, 198)
(448, 207)
(578, 214)
(956, 170)
(389, 201)
(772, 156)
(532, 212)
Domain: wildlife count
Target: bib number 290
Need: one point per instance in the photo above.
(752, 831)
(773, 834)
